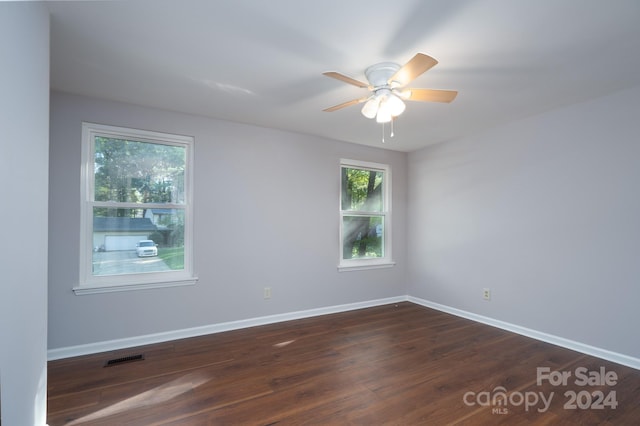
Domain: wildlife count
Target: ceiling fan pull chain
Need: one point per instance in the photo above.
(382, 132)
(392, 120)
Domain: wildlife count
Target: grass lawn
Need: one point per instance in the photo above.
(172, 256)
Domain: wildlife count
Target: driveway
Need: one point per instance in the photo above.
(125, 262)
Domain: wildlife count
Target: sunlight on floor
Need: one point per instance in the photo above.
(283, 344)
(153, 396)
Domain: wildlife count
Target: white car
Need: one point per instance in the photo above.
(146, 248)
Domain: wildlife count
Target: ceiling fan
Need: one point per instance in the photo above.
(387, 81)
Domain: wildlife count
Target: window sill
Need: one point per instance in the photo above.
(111, 288)
(366, 266)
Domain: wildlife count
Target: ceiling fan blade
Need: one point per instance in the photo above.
(345, 104)
(412, 69)
(344, 78)
(431, 95)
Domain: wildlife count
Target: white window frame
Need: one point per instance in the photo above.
(370, 263)
(90, 283)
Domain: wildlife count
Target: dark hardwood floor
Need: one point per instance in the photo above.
(395, 364)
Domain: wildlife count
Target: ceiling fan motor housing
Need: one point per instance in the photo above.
(378, 75)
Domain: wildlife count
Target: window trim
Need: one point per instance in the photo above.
(371, 263)
(90, 284)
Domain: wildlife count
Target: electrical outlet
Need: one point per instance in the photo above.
(267, 292)
(486, 293)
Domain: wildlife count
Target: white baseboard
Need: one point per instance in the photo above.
(111, 345)
(618, 358)
(92, 348)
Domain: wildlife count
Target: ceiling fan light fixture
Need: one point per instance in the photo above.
(395, 105)
(384, 113)
(370, 108)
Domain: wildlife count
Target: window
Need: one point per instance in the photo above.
(136, 220)
(365, 215)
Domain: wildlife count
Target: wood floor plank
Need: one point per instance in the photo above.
(400, 364)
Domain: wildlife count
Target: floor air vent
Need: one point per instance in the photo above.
(124, 360)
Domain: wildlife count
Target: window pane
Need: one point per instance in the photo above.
(362, 190)
(131, 241)
(138, 172)
(363, 237)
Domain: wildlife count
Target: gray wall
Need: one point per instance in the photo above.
(24, 138)
(542, 211)
(545, 212)
(266, 215)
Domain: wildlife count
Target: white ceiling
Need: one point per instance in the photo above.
(261, 62)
